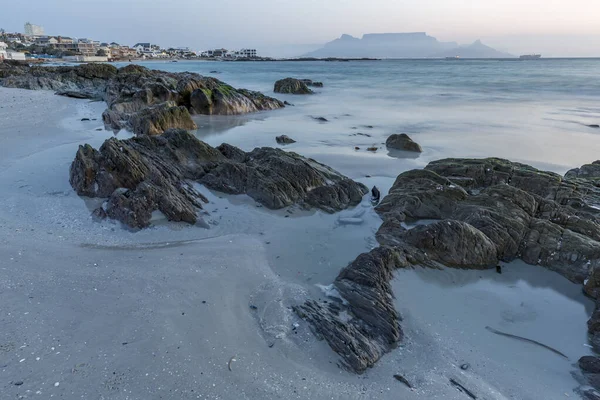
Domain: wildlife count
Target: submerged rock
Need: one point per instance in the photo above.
(402, 142)
(284, 139)
(488, 210)
(148, 173)
(134, 93)
(309, 82)
(291, 86)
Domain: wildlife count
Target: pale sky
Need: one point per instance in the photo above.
(548, 26)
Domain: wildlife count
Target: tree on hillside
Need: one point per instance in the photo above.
(101, 53)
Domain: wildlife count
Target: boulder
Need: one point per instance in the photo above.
(284, 139)
(143, 174)
(402, 142)
(291, 86)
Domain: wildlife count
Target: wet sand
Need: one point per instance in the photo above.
(112, 314)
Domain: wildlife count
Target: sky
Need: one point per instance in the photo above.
(554, 27)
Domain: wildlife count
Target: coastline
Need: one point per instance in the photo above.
(303, 361)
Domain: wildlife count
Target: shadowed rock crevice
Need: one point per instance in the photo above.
(139, 99)
(148, 173)
(487, 210)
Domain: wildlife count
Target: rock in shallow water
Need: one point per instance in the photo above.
(291, 86)
(488, 210)
(402, 142)
(284, 139)
(149, 173)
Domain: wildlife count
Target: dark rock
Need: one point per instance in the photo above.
(288, 103)
(309, 82)
(79, 94)
(85, 119)
(402, 142)
(465, 366)
(366, 325)
(284, 139)
(594, 126)
(591, 394)
(590, 364)
(321, 119)
(489, 210)
(148, 173)
(375, 194)
(291, 86)
(18, 383)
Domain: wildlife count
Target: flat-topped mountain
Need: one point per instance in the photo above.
(401, 45)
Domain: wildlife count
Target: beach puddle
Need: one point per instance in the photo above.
(452, 319)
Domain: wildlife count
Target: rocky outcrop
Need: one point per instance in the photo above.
(284, 139)
(147, 173)
(291, 86)
(402, 142)
(487, 210)
(134, 94)
(85, 80)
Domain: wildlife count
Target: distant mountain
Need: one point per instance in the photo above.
(475, 50)
(383, 45)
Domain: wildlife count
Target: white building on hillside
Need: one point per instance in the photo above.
(34, 30)
(247, 53)
(3, 48)
(9, 54)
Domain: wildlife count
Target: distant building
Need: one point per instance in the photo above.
(33, 30)
(143, 47)
(65, 40)
(46, 41)
(227, 54)
(83, 46)
(247, 53)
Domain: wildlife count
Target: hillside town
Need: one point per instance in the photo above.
(34, 44)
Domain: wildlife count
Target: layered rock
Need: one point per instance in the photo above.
(135, 94)
(402, 142)
(147, 173)
(292, 86)
(488, 210)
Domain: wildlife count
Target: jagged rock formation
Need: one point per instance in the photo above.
(292, 86)
(402, 142)
(488, 210)
(142, 100)
(149, 173)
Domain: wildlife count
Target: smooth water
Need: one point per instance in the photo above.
(536, 112)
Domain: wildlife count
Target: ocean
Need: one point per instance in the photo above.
(537, 112)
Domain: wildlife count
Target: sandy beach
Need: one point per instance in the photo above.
(92, 310)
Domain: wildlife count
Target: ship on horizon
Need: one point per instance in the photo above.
(530, 57)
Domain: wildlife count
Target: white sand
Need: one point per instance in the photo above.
(112, 314)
